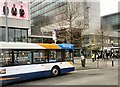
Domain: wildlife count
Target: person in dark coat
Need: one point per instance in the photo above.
(21, 11)
(4, 11)
(83, 61)
(14, 10)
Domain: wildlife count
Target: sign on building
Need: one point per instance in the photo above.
(15, 9)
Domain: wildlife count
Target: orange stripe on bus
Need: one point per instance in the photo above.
(71, 62)
(8, 78)
(49, 46)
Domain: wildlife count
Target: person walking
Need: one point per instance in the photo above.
(83, 61)
(96, 56)
(93, 57)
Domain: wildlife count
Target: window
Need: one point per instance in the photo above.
(69, 55)
(22, 57)
(14, 35)
(52, 56)
(58, 56)
(18, 35)
(55, 55)
(24, 35)
(2, 34)
(39, 57)
(6, 58)
(11, 35)
(36, 57)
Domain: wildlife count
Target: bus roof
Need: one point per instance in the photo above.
(13, 45)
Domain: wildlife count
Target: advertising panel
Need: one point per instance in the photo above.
(15, 9)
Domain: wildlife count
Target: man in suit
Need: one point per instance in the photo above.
(14, 10)
(4, 9)
(21, 11)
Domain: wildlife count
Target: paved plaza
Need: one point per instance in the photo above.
(94, 65)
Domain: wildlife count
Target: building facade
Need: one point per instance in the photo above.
(112, 20)
(111, 23)
(45, 12)
(17, 30)
(51, 12)
(13, 26)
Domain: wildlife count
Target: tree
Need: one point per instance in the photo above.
(72, 11)
(77, 19)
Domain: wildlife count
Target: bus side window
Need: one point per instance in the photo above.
(69, 55)
(52, 56)
(58, 56)
(39, 57)
(6, 58)
(36, 57)
(43, 57)
(22, 57)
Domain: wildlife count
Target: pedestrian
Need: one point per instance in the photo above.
(96, 55)
(93, 57)
(21, 11)
(83, 61)
(14, 10)
(5, 10)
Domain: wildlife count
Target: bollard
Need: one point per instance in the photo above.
(98, 63)
(112, 62)
(106, 62)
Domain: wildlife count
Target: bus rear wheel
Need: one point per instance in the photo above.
(55, 71)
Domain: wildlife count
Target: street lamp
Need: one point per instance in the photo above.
(6, 20)
(42, 34)
(112, 53)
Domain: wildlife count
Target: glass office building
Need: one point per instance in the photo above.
(46, 7)
(113, 20)
(52, 12)
(48, 11)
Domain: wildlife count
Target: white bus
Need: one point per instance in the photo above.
(27, 61)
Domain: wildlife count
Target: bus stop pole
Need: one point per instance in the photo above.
(97, 62)
(112, 62)
(6, 20)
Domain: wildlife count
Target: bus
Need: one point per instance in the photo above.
(27, 61)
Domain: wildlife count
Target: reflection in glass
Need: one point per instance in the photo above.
(11, 35)
(14, 35)
(24, 35)
(18, 35)
(22, 57)
(0, 34)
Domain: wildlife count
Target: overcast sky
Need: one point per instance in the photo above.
(108, 6)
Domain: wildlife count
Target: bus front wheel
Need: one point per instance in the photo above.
(55, 71)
